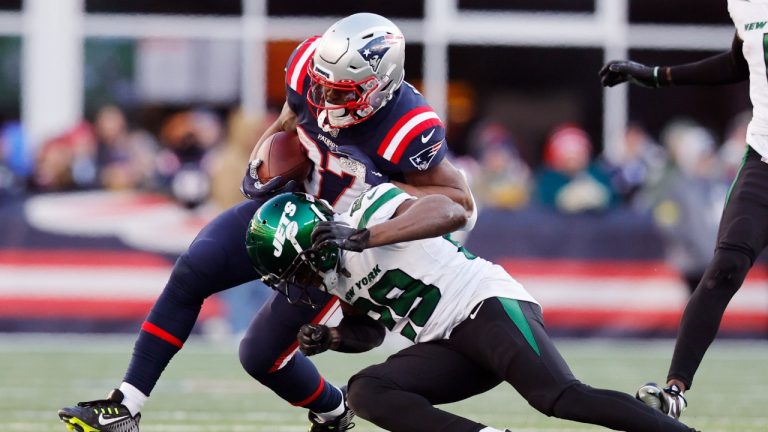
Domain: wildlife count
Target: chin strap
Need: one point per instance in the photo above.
(327, 121)
(331, 277)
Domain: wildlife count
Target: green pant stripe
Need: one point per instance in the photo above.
(738, 173)
(515, 313)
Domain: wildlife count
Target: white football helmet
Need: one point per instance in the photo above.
(356, 68)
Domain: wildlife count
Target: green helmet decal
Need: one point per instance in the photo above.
(279, 241)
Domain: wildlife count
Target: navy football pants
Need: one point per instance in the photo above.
(215, 261)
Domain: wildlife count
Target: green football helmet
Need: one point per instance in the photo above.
(279, 244)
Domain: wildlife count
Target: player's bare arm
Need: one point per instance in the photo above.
(442, 179)
(429, 216)
(426, 217)
(725, 68)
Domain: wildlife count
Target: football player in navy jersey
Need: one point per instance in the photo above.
(361, 125)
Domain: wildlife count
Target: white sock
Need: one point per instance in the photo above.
(490, 429)
(133, 398)
(330, 415)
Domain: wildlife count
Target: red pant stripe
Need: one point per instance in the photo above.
(320, 318)
(313, 396)
(162, 334)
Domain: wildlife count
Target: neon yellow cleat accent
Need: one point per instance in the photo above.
(77, 425)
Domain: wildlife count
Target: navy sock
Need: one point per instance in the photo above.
(299, 383)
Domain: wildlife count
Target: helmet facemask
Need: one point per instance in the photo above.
(306, 271)
(340, 104)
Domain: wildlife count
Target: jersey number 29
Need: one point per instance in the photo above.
(400, 294)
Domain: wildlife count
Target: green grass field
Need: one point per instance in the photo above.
(205, 389)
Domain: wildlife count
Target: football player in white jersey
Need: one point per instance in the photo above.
(473, 325)
(743, 231)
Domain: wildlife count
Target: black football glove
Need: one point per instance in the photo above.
(253, 188)
(617, 72)
(314, 339)
(340, 234)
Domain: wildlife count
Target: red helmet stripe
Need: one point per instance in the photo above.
(297, 70)
(412, 123)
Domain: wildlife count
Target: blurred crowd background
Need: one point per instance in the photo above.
(527, 120)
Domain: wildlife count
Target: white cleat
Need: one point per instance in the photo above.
(669, 400)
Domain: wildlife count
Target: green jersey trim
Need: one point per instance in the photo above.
(376, 204)
(515, 313)
(467, 254)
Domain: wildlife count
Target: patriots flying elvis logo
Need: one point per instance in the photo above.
(375, 50)
(423, 158)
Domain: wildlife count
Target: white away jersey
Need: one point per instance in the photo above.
(420, 289)
(751, 21)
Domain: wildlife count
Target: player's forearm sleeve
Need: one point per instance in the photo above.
(359, 334)
(724, 68)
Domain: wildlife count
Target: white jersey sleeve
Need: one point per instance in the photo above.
(375, 206)
(751, 21)
(423, 288)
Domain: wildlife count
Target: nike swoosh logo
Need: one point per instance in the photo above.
(473, 314)
(424, 139)
(104, 422)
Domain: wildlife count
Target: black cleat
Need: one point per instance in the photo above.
(105, 415)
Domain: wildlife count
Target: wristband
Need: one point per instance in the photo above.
(656, 76)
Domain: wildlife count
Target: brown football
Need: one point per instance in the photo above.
(283, 155)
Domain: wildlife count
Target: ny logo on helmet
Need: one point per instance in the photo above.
(375, 50)
(286, 229)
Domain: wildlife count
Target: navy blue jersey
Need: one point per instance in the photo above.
(405, 135)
